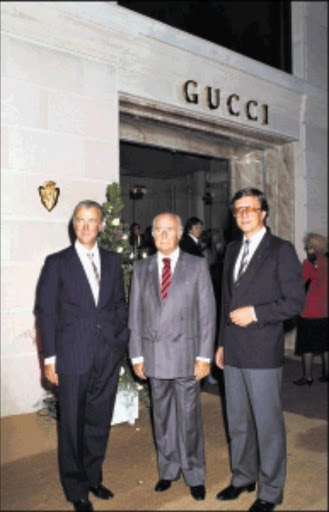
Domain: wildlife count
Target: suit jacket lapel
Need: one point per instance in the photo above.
(105, 278)
(178, 277)
(258, 256)
(153, 277)
(230, 274)
(177, 282)
(78, 275)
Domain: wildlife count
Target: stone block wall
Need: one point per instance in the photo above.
(59, 122)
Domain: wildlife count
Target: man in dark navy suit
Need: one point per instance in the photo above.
(262, 287)
(82, 314)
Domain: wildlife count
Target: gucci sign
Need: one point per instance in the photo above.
(233, 104)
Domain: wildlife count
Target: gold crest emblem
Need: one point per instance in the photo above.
(49, 194)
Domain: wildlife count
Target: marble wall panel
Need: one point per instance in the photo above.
(18, 332)
(49, 153)
(43, 66)
(317, 11)
(70, 113)
(20, 383)
(317, 142)
(23, 104)
(247, 171)
(19, 283)
(20, 196)
(317, 219)
(280, 191)
(102, 160)
(4, 146)
(30, 239)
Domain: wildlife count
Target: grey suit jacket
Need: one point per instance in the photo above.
(171, 335)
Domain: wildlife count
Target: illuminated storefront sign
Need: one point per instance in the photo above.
(233, 104)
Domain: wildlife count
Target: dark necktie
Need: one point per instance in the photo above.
(166, 277)
(245, 258)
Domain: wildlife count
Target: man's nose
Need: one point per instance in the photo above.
(164, 233)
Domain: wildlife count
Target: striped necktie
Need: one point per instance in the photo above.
(244, 259)
(91, 257)
(165, 280)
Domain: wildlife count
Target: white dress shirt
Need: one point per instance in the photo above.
(173, 260)
(82, 253)
(254, 242)
(194, 238)
(88, 268)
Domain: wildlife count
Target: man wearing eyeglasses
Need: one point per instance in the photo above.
(262, 287)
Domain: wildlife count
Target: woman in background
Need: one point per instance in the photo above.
(312, 329)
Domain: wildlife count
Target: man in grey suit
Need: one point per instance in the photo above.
(172, 323)
(262, 286)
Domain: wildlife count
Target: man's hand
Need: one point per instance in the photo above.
(201, 369)
(139, 370)
(242, 316)
(50, 374)
(219, 358)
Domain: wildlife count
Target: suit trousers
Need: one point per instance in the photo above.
(178, 429)
(256, 429)
(85, 412)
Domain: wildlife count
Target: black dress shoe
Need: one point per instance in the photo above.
(162, 485)
(262, 506)
(102, 492)
(198, 492)
(302, 381)
(83, 505)
(232, 493)
(324, 378)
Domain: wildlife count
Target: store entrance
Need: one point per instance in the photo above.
(155, 179)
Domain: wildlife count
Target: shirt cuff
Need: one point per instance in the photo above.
(204, 359)
(254, 317)
(136, 360)
(50, 360)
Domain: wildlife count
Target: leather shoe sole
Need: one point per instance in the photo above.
(83, 505)
(232, 493)
(198, 492)
(162, 485)
(101, 492)
(262, 506)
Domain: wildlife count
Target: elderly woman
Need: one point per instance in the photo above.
(312, 330)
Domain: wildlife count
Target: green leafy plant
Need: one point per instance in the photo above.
(115, 237)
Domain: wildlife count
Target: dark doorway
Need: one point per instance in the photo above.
(156, 179)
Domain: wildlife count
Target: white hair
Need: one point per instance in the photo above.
(177, 217)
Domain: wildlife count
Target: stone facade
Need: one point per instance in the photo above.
(76, 74)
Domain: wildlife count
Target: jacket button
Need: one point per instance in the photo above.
(98, 326)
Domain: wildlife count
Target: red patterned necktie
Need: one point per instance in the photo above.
(166, 276)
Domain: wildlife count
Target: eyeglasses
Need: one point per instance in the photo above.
(248, 210)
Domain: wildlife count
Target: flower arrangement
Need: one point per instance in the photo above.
(115, 237)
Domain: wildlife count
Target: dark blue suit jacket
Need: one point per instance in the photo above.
(68, 317)
(273, 284)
